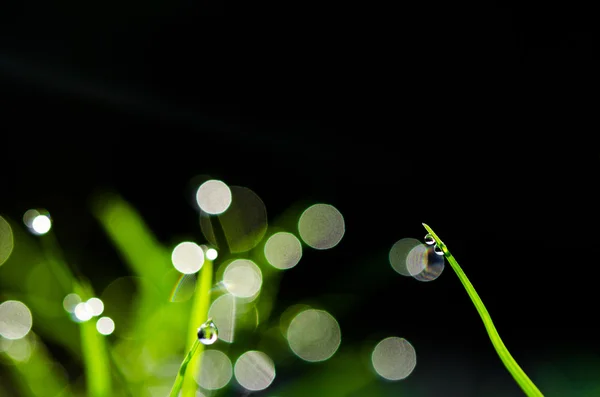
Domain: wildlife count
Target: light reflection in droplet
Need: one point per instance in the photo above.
(215, 370)
(6, 240)
(242, 278)
(71, 301)
(213, 197)
(283, 250)
(399, 253)
(394, 358)
(15, 319)
(321, 226)
(187, 257)
(314, 335)
(254, 370)
(105, 325)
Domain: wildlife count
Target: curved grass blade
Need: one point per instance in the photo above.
(511, 365)
(183, 368)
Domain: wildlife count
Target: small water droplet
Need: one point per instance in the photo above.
(438, 250)
(429, 240)
(208, 332)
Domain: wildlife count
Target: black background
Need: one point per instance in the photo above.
(475, 117)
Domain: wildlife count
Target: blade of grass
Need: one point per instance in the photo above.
(198, 316)
(511, 365)
(38, 376)
(201, 305)
(95, 353)
(183, 369)
(130, 234)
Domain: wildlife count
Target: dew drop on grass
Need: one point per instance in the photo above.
(208, 332)
(438, 250)
(429, 240)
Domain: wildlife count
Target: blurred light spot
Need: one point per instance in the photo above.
(215, 370)
(244, 223)
(184, 288)
(29, 216)
(83, 312)
(222, 311)
(254, 370)
(399, 253)
(314, 335)
(96, 306)
(70, 301)
(15, 319)
(288, 315)
(187, 257)
(211, 254)
(283, 250)
(6, 240)
(105, 325)
(321, 226)
(394, 358)
(424, 264)
(242, 278)
(213, 197)
(20, 350)
(41, 224)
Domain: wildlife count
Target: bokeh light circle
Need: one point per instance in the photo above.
(96, 306)
(15, 320)
(187, 257)
(254, 370)
(314, 335)
(215, 370)
(83, 312)
(321, 226)
(105, 325)
(424, 264)
(41, 224)
(71, 301)
(244, 223)
(399, 253)
(283, 250)
(211, 254)
(242, 278)
(6, 240)
(394, 358)
(222, 311)
(213, 197)
(29, 216)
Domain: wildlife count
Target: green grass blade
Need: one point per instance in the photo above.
(198, 316)
(183, 369)
(511, 365)
(132, 237)
(39, 376)
(95, 354)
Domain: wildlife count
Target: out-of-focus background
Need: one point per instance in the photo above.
(464, 116)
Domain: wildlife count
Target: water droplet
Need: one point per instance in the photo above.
(438, 250)
(429, 240)
(208, 332)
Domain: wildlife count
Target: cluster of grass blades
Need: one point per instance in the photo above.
(511, 365)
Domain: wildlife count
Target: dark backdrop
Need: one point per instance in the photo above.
(466, 116)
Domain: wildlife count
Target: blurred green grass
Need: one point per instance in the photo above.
(153, 333)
